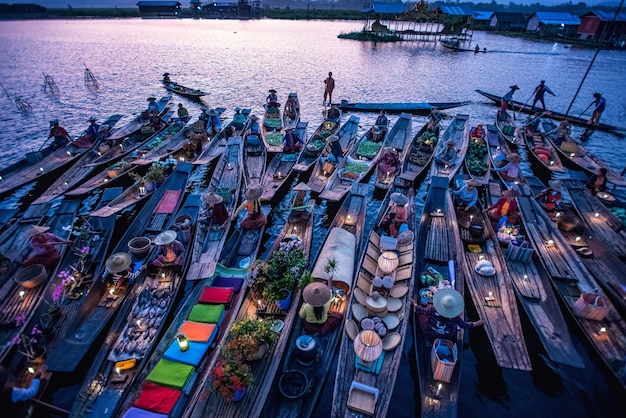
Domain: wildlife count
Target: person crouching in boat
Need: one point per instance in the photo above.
(255, 218)
(183, 113)
(193, 145)
(118, 269)
(448, 154)
(239, 119)
(291, 142)
(505, 207)
(253, 126)
(214, 212)
(213, 123)
(389, 162)
(550, 198)
(43, 246)
(315, 311)
(510, 171)
(467, 196)
(441, 319)
(171, 251)
(478, 133)
(597, 182)
(291, 106)
(60, 135)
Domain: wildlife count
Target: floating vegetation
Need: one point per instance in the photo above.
(370, 36)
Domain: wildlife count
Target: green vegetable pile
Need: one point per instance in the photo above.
(620, 213)
(163, 136)
(272, 123)
(426, 138)
(274, 138)
(368, 149)
(474, 160)
(316, 145)
(356, 167)
(324, 134)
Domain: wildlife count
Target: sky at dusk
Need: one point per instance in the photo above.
(185, 3)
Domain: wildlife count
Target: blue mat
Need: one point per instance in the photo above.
(234, 282)
(192, 356)
(374, 368)
(142, 413)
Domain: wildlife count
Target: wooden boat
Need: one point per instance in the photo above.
(94, 160)
(498, 149)
(210, 402)
(602, 262)
(536, 296)
(164, 149)
(359, 162)
(218, 144)
(136, 329)
(254, 160)
(187, 92)
(95, 234)
(455, 45)
(542, 151)
(574, 155)
(21, 298)
(521, 107)
(139, 121)
(100, 305)
(477, 162)
(324, 167)
(280, 167)
(208, 242)
(290, 120)
(343, 244)
(439, 247)
(272, 129)
(379, 374)
(509, 129)
(420, 109)
(399, 138)
(167, 349)
(458, 132)
(602, 326)
(313, 148)
(493, 296)
(420, 154)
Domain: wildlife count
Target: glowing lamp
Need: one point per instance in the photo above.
(31, 370)
(112, 291)
(572, 155)
(22, 293)
(595, 215)
(183, 342)
(388, 261)
(439, 386)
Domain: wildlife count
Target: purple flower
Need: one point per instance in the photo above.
(35, 331)
(16, 340)
(20, 320)
(85, 250)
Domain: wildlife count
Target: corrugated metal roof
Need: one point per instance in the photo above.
(607, 16)
(557, 18)
(389, 8)
(158, 3)
(483, 15)
(457, 10)
(510, 17)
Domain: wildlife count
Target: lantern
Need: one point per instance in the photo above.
(183, 342)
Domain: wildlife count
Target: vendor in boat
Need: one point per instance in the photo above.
(504, 102)
(183, 113)
(389, 162)
(597, 182)
(441, 319)
(336, 152)
(253, 126)
(155, 121)
(197, 136)
(152, 105)
(395, 221)
(315, 311)
(166, 78)
(255, 218)
(550, 198)
(467, 196)
(510, 171)
(213, 122)
(532, 124)
(448, 154)
(43, 246)
(380, 126)
(93, 128)
(239, 119)
(562, 133)
(333, 113)
(214, 212)
(60, 135)
(505, 207)
(300, 212)
(291, 142)
(291, 106)
(11, 395)
(171, 251)
(478, 133)
(118, 269)
(272, 98)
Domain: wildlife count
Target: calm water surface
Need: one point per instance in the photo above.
(237, 62)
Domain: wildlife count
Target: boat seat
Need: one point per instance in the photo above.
(362, 398)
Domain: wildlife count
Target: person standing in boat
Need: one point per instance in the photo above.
(43, 246)
(504, 102)
(60, 135)
(315, 311)
(540, 91)
(329, 83)
(183, 113)
(152, 105)
(600, 103)
(597, 182)
(255, 218)
(118, 268)
(171, 251)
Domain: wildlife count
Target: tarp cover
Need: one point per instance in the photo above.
(340, 245)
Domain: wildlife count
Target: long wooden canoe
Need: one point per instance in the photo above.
(139, 121)
(381, 375)
(399, 138)
(502, 323)
(209, 239)
(542, 151)
(100, 305)
(536, 296)
(218, 144)
(348, 225)
(438, 250)
(280, 168)
(420, 109)
(187, 92)
(521, 107)
(458, 132)
(477, 161)
(313, 148)
(347, 136)
(420, 154)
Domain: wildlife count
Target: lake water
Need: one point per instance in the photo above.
(238, 61)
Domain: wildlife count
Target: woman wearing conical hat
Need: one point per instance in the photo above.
(315, 311)
(197, 136)
(506, 206)
(118, 268)
(214, 212)
(255, 218)
(171, 251)
(43, 247)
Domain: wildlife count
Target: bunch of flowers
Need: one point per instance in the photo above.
(83, 255)
(60, 291)
(247, 336)
(81, 229)
(230, 375)
(27, 342)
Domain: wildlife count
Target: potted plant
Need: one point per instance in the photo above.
(60, 292)
(117, 168)
(250, 338)
(231, 377)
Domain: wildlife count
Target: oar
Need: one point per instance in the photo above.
(534, 119)
(583, 112)
(294, 208)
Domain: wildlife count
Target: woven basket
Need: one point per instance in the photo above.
(32, 276)
(590, 306)
(443, 369)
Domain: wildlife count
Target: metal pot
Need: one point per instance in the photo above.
(306, 349)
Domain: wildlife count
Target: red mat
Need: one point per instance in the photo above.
(217, 295)
(157, 398)
(168, 202)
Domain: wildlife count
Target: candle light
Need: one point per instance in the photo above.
(482, 257)
(112, 290)
(595, 215)
(163, 275)
(439, 386)
(551, 162)
(604, 196)
(601, 330)
(572, 154)
(142, 190)
(525, 276)
(65, 184)
(121, 147)
(181, 159)
(22, 293)
(41, 169)
(99, 154)
(105, 180)
(139, 322)
(0, 178)
(577, 239)
(490, 294)
(31, 370)
(349, 218)
(183, 342)
(550, 242)
(471, 217)
(556, 215)
(117, 370)
(438, 210)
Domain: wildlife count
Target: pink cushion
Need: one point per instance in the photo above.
(157, 398)
(217, 295)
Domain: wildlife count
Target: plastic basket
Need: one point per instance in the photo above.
(590, 306)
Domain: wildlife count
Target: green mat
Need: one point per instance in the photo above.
(209, 314)
(171, 374)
